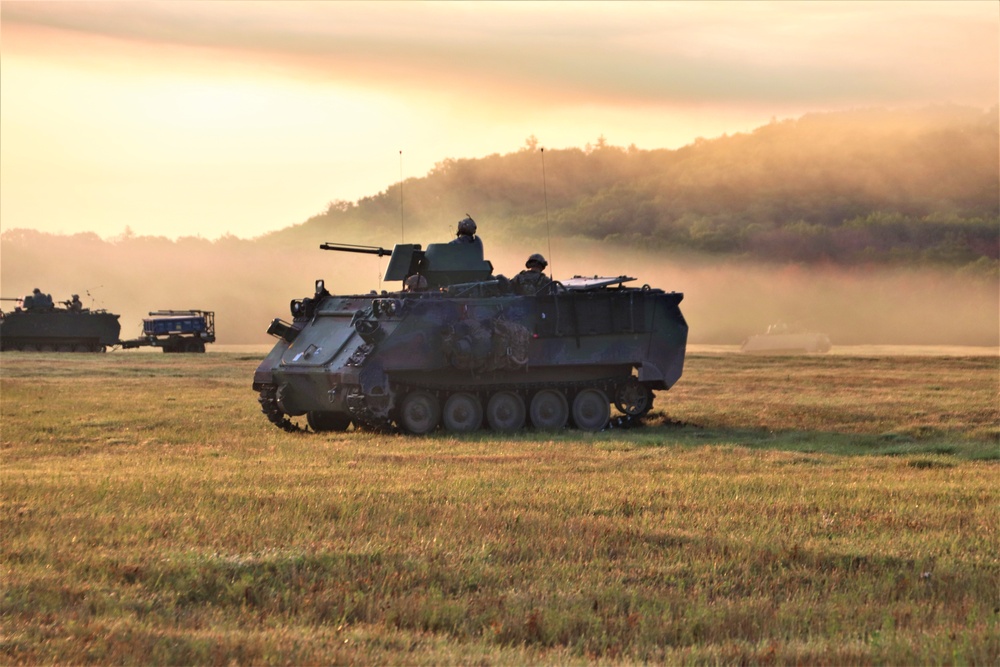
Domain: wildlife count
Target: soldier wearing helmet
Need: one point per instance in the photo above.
(40, 301)
(466, 232)
(531, 280)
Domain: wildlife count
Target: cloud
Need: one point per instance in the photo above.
(570, 53)
(115, 105)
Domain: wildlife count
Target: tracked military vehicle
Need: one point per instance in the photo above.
(459, 348)
(39, 325)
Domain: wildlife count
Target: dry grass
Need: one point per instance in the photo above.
(823, 510)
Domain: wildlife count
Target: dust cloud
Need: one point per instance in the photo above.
(248, 283)
(725, 301)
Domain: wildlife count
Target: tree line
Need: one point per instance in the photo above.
(860, 187)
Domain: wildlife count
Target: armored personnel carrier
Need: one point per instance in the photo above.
(39, 325)
(459, 348)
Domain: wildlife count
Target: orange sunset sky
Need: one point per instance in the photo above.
(208, 118)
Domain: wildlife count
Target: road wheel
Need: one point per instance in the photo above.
(419, 413)
(462, 413)
(505, 412)
(328, 421)
(591, 410)
(634, 399)
(549, 410)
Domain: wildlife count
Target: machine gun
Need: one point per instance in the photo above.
(441, 264)
(366, 249)
(19, 302)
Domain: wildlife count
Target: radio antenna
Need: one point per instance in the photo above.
(402, 236)
(93, 301)
(545, 198)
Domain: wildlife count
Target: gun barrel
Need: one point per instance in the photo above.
(365, 249)
(6, 298)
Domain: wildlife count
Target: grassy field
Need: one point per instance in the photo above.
(821, 510)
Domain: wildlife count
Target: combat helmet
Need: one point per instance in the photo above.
(536, 259)
(466, 227)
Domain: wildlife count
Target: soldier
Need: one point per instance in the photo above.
(75, 305)
(415, 283)
(40, 300)
(531, 280)
(466, 232)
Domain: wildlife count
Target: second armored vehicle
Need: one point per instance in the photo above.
(38, 325)
(459, 348)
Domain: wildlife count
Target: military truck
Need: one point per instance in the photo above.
(175, 331)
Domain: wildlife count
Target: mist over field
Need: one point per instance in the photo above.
(249, 283)
(875, 227)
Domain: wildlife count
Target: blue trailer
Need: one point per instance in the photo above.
(176, 331)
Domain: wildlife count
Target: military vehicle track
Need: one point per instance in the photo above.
(503, 408)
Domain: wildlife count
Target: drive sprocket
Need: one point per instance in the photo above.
(268, 400)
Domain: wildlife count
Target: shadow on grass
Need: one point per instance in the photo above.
(934, 449)
(664, 434)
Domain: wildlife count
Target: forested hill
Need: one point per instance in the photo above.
(870, 186)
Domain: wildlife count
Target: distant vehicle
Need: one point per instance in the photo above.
(781, 339)
(462, 349)
(38, 325)
(175, 331)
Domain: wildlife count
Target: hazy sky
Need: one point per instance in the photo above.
(206, 118)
